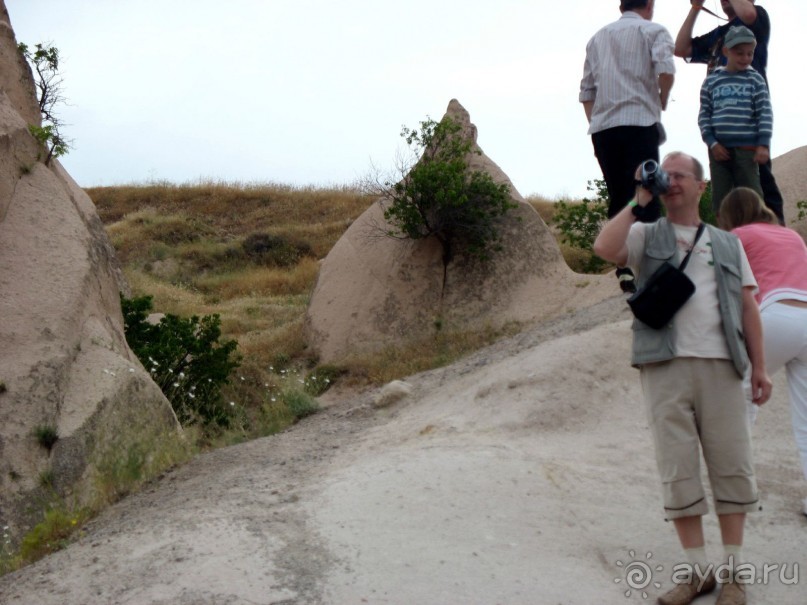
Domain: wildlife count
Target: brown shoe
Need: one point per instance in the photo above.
(683, 594)
(731, 593)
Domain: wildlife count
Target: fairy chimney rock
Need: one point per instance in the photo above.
(64, 362)
(374, 291)
(790, 169)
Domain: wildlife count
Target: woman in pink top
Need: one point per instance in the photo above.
(778, 258)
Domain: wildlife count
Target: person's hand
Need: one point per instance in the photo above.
(720, 153)
(761, 386)
(696, 3)
(762, 155)
(643, 197)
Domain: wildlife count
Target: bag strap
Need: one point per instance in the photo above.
(698, 234)
(706, 10)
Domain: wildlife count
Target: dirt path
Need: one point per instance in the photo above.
(519, 475)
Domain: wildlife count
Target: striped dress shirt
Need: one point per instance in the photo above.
(623, 62)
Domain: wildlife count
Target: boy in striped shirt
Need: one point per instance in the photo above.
(735, 119)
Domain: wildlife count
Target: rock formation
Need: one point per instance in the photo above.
(374, 291)
(64, 362)
(790, 170)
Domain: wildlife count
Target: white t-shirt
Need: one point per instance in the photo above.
(698, 325)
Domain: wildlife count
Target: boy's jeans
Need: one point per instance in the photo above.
(740, 170)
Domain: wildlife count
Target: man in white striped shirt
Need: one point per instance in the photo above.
(627, 78)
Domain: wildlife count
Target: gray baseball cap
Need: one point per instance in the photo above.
(739, 34)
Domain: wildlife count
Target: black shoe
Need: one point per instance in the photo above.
(626, 281)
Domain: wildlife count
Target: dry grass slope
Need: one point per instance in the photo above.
(250, 254)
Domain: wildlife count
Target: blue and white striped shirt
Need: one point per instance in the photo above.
(735, 109)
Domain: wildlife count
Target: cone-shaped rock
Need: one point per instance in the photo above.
(790, 170)
(64, 361)
(373, 290)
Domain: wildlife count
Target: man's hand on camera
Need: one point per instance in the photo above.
(642, 196)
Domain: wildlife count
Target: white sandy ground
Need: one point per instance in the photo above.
(520, 475)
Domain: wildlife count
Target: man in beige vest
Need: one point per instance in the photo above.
(691, 373)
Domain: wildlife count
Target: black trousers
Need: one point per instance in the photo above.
(619, 151)
(770, 191)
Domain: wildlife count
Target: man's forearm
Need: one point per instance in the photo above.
(665, 84)
(611, 243)
(745, 10)
(683, 41)
(588, 106)
(752, 329)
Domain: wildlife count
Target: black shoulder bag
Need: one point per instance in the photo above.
(665, 291)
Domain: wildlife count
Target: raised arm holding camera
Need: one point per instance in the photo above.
(692, 368)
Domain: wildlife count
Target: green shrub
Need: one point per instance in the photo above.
(51, 534)
(705, 205)
(321, 379)
(274, 250)
(579, 223)
(120, 471)
(49, 136)
(159, 251)
(441, 197)
(185, 358)
(44, 63)
(173, 229)
(46, 436)
(300, 403)
(47, 478)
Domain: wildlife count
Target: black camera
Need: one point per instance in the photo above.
(654, 179)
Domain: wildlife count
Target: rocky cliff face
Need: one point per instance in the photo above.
(64, 361)
(374, 291)
(790, 170)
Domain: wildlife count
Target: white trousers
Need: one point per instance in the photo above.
(785, 332)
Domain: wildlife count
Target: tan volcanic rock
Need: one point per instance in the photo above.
(64, 361)
(373, 290)
(790, 170)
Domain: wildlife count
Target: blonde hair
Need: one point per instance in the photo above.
(743, 206)
(697, 167)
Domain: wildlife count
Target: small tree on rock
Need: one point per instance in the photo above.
(48, 81)
(441, 197)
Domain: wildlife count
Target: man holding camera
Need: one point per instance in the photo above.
(692, 369)
(708, 49)
(627, 78)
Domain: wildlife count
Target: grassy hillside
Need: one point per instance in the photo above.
(250, 254)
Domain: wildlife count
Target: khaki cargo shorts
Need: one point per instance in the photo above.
(695, 403)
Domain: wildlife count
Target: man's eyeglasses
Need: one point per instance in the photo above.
(680, 176)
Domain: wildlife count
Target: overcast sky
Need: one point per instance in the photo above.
(313, 92)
